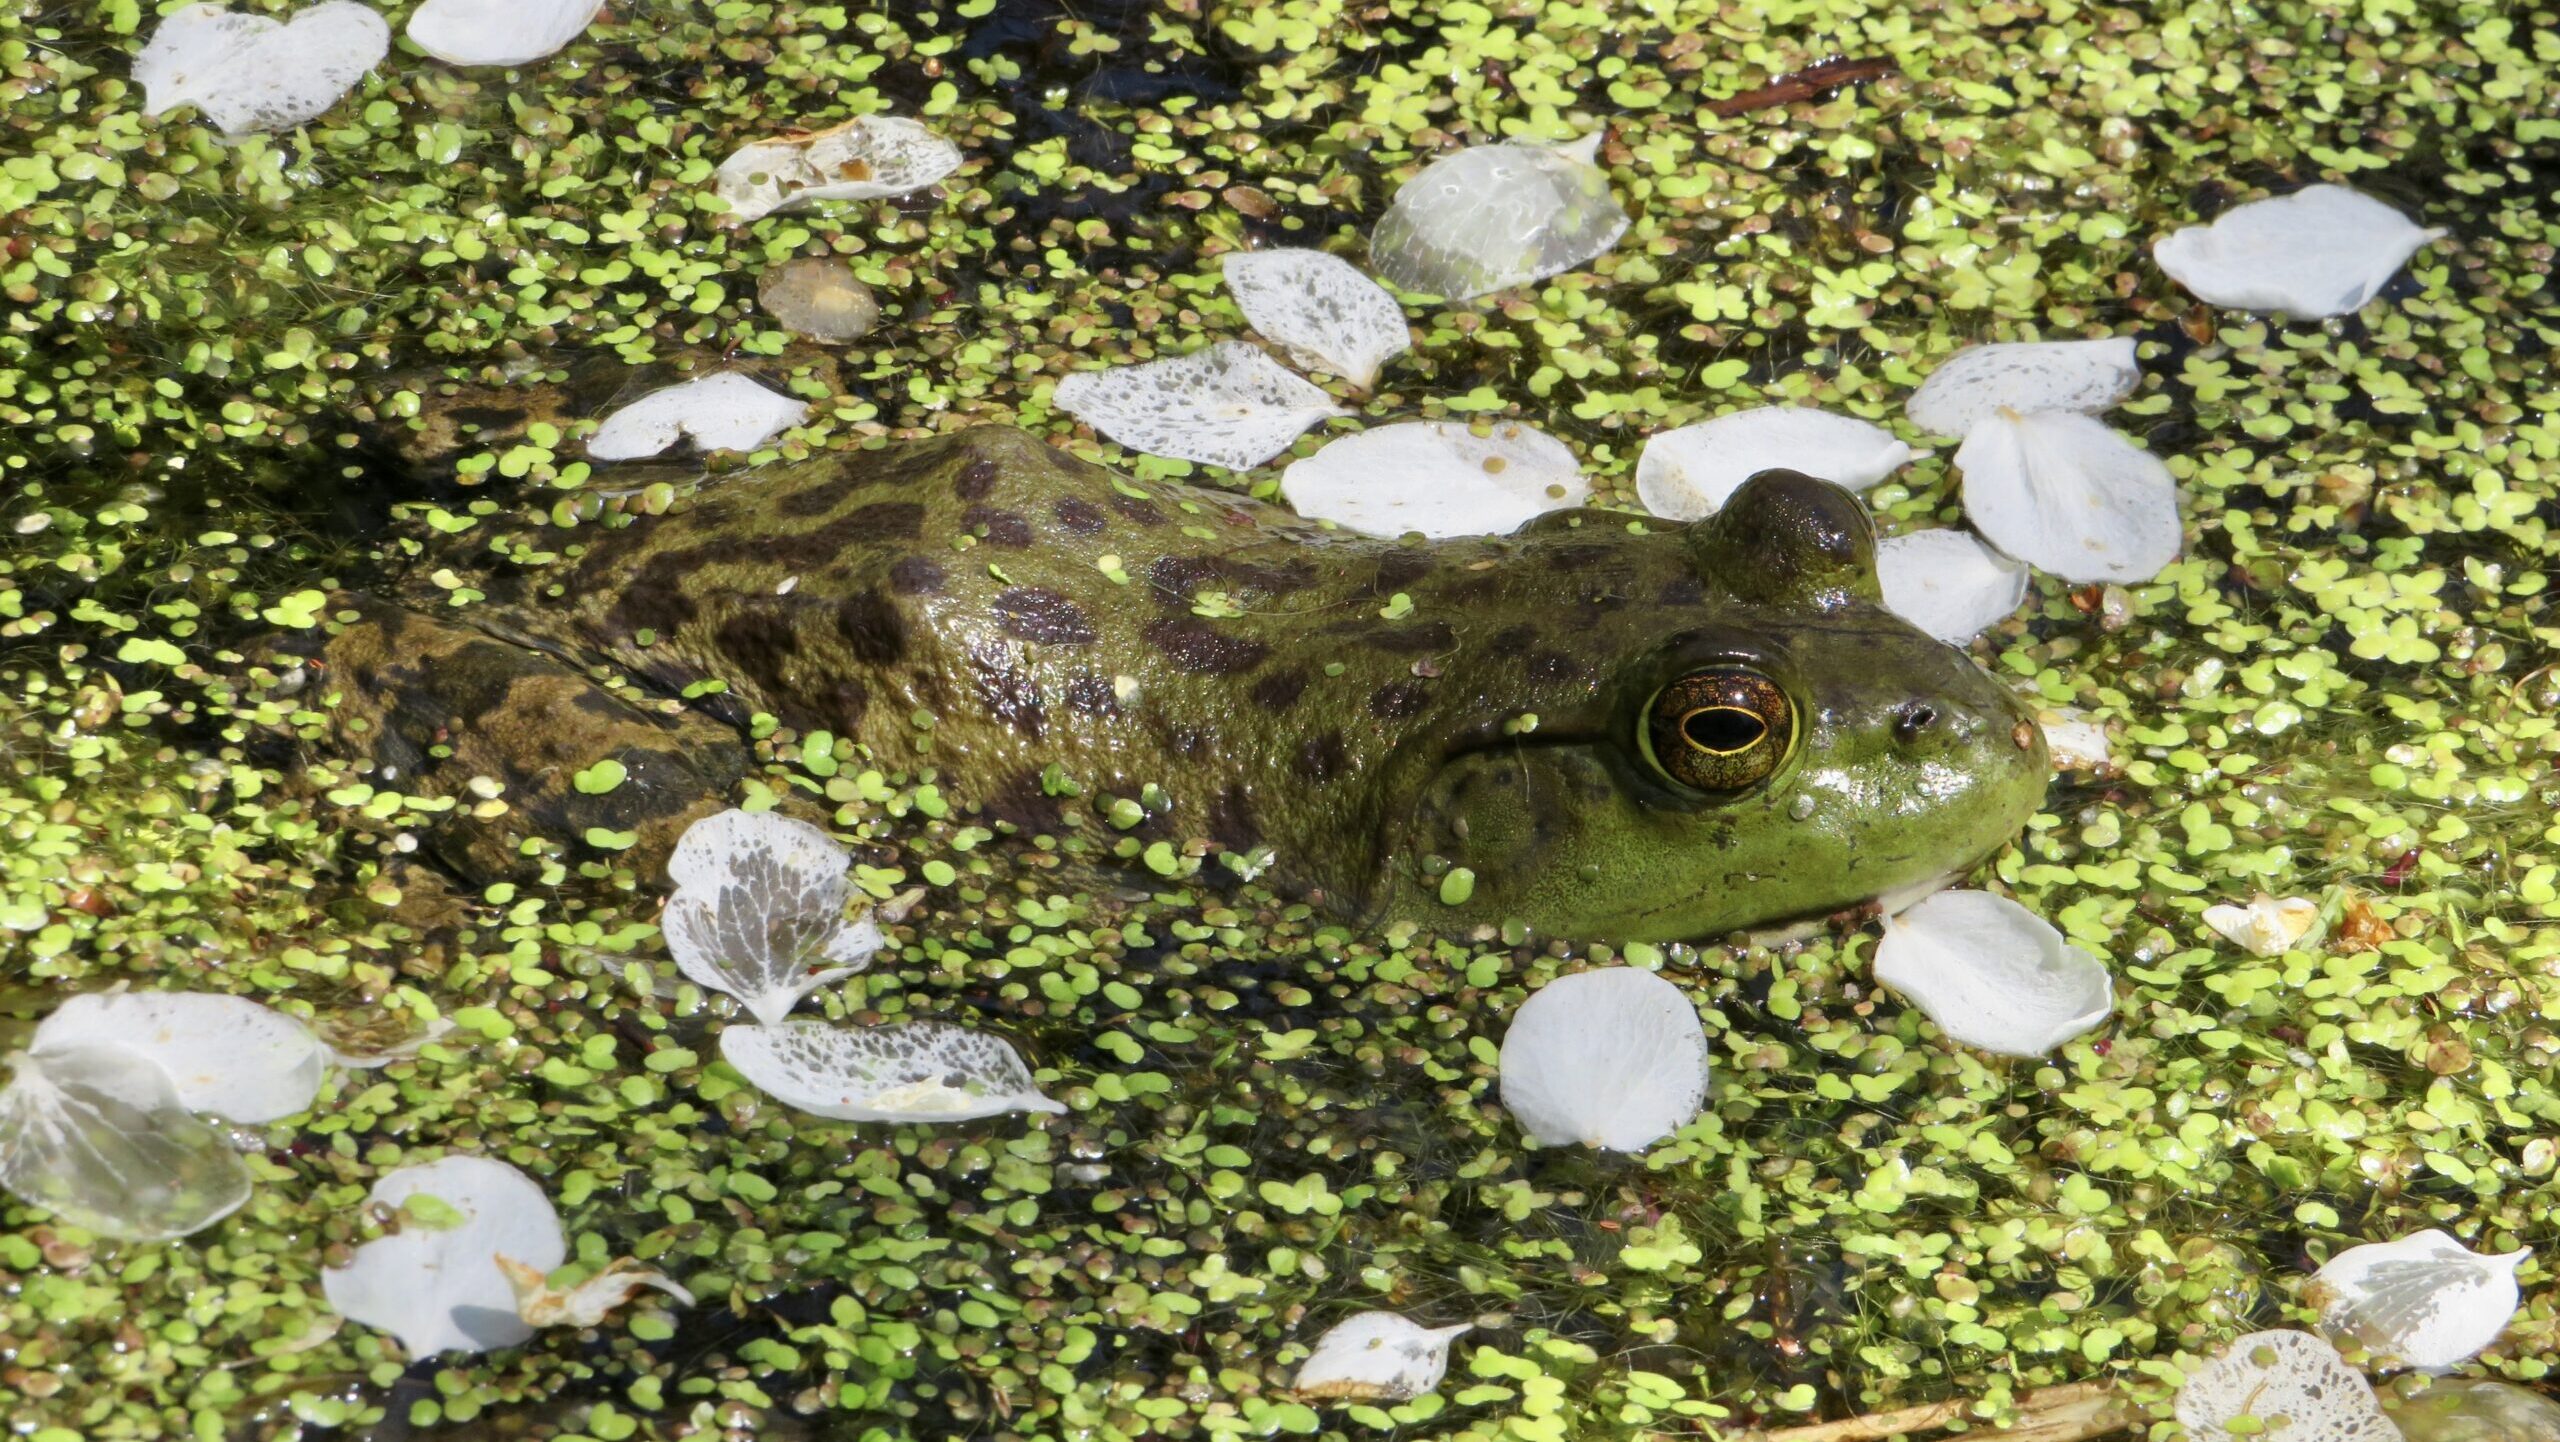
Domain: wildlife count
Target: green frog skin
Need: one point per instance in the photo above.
(1619, 731)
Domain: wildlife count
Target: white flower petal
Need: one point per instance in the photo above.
(97, 1136)
(1948, 583)
(1377, 1357)
(2075, 742)
(2424, 1301)
(585, 1305)
(1436, 477)
(440, 1289)
(918, 1071)
(2320, 251)
(498, 32)
(872, 158)
(2266, 926)
(1229, 405)
(722, 411)
(1612, 1058)
(226, 1054)
(2068, 496)
(1320, 309)
(1686, 474)
(1979, 382)
(2295, 1386)
(758, 910)
(249, 73)
(1494, 216)
(1993, 975)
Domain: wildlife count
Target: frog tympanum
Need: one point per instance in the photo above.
(1617, 729)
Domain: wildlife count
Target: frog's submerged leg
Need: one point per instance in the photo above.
(434, 705)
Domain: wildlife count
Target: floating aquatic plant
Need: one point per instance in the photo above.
(1440, 478)
(2475, 1410)
(98, 1136)
(1494, 216)
(1320, 309)
(1687, 474)
(2424, 1301)
(872, 158)
(1229, 405)
(249, 73)
(2266, 926)
(224, 1054)
(1948, 583)
(498, 32)
(1613, 1058)
(759, 910)
(918, 1071)
(2281, 1387)
(587, 1303)
(1377, 1357)
(722, 411)
(435, 1282)
(1992, 974)
(2323, 250)
(818, 296)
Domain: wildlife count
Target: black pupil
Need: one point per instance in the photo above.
(1723, 729)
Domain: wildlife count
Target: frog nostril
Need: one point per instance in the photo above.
(1913, 719)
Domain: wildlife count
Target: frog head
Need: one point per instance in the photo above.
(1785, 747)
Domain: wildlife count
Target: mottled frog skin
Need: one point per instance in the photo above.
(1618, 731)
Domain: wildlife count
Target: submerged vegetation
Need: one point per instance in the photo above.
(2345, 689)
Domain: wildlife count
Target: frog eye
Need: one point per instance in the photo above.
(1721, 729)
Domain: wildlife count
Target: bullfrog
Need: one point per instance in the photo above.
(1599, 727)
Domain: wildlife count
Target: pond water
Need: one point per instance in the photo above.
(2344, 689)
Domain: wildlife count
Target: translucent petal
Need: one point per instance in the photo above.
(1612, 1058)
(2320, 251)
(918, 1071)
(1229, 405)
(1320, 309)
(872, 158)
(498, 32)
(2296, 1387)
(1981, 381)
(2476, 1411)
(2068, 496)
(2074, 741)
(250, 73)
(97, 1136)
(2424, 1301)
(724, 411)
(1948, 583)
(2266, 926)
(819, 296)
(585, 1305)
(440, 1289)
(1991, 974)
(1686, 474)
(1377, 1357)
(226, 1054)
(1436, 477)
(758, 910)
(1494, 216)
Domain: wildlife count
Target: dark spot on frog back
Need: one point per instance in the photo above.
(1231, 820)
(1194, 646)
(1399, 699)
(1007, 690)
(915, 576)
(976, 479)
(1004, 528)
(1322, 758)
(1280, 690)
(1092, 696)
(874, 629)
(760, 643)
(1079, 517)
(1036, 613)
(1399, 569)
(1409, 638)
(653, 599)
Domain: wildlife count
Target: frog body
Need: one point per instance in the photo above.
(1456, 732)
